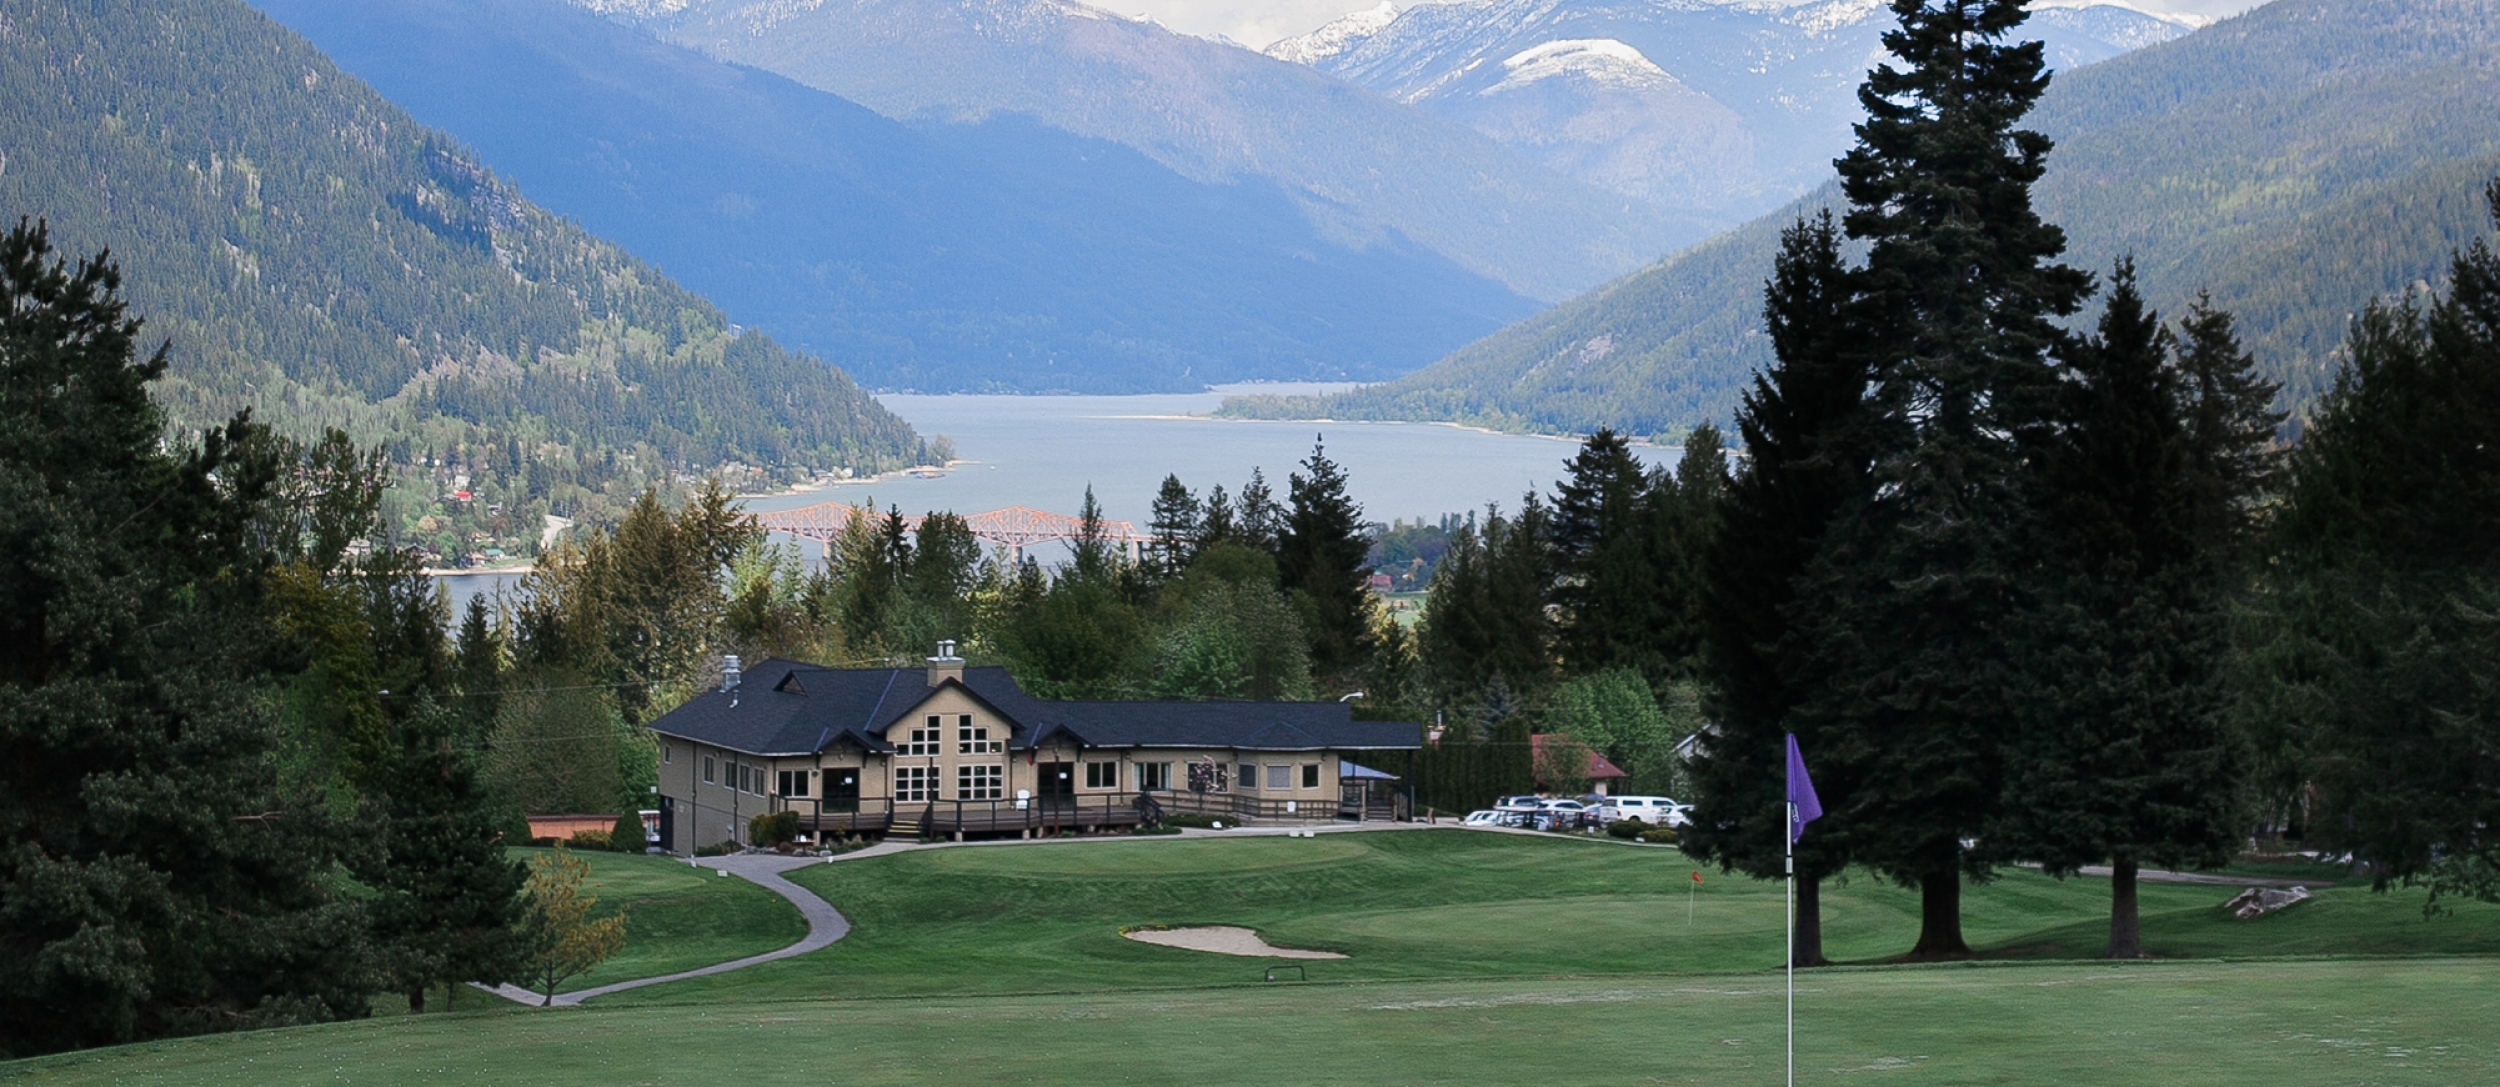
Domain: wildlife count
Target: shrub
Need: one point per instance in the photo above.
(1156, 830)
(716, 849)
(1659, 836)
(593, 840)
(773, 828)
(1198, 819)
(627, 835)
(1626, 828)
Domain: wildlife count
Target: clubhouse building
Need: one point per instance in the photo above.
(958, 751)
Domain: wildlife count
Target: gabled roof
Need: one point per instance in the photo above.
(792, 708)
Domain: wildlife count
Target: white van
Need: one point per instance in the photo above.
(1657, 811)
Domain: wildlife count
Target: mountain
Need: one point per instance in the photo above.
(1368, 171)
(1728, 108)
(2298, 160)
(997, 255)
(312, 252)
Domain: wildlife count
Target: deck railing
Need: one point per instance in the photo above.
(946, 818)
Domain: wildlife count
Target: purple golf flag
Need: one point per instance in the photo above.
(1800, 793)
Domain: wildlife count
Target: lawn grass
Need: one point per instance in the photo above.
(679, 917)
(1453, 904)
(2407, 1023)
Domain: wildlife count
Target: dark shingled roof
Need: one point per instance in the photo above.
(791, 708)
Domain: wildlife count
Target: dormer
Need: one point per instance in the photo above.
(946, 665)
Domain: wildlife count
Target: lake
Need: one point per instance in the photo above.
(1043, 451)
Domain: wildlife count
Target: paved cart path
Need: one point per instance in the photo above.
(824, 926)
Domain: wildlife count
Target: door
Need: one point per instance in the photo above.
(841, 790)
(1056, 785)
(668, 823)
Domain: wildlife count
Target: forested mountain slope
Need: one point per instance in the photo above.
(1000, 255)
(1365, 169)
(312, 252)
(2298, 160)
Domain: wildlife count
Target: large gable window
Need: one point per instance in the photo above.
(971, 739)
(980, 782)
(924, 741)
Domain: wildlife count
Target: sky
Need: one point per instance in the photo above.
(1256, 23)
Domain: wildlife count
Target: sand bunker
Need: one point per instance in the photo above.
(1223, 940)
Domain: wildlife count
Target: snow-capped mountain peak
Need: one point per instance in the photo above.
(1336, 37)
(1604, 61)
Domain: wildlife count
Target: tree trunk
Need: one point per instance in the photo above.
(416, 1000)
(1808, 950)
(1940, 916)
(2126, 924)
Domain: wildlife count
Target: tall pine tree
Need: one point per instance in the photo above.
(1927, 574)
(1320, 558)
(1800, 471)
(156, 877)
(2385, 580)
(2125, 754)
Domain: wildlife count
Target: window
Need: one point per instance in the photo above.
(924, 741)
(1310, 775)
(1249, 777)
(711, 774)
(980, 782)
(668, 753)
(1102, 775)
(794, 783)
(1207, 777)
(915, 783)
(975, 741)
(1280, 777)
(1154, 777)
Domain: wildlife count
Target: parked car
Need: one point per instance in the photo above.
(1484, 818)
(1554, 814)
(1657, 811)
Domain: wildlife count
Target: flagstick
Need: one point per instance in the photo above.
(1789, 856)
(1692, 891)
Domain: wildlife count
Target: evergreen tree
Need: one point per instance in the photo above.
(1219, 524)
(1607, 589)
(156, 878)
(447, 896)
(2385, 578)
(1487, 622)
(1959, 300)
(1175, 527)
(1800, 471)
(1097, 557)
(1262, 521)
(1320, 560)
(2125, 754)
(478, 666)
(1682, 511)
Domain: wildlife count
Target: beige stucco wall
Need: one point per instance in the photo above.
(711, 812)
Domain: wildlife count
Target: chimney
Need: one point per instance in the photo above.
(946, 665)
(729, 674)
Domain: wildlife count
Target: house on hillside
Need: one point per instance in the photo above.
(955, 750)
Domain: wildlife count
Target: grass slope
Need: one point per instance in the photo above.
(2299, 160)
(679, 917)
(2215, 1025)
(1478, 959)
(1454, 904)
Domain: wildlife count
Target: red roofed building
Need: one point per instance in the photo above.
(1602, 773)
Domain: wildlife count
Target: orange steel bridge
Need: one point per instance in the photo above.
(1014, 528)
